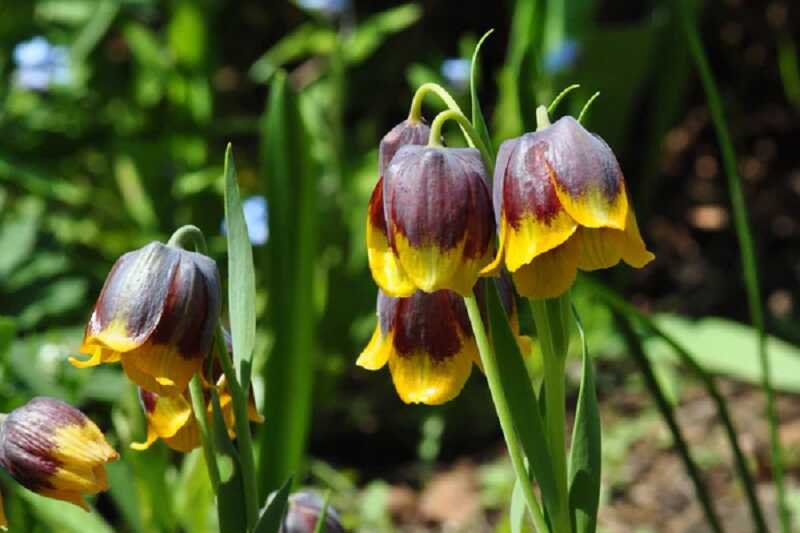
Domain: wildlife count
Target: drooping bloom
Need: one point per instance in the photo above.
(53, 449)
(171, 418)
(156, 314)
(561, 204)
(304, 512)
(382, 260)
(438, 219)
(427, 341)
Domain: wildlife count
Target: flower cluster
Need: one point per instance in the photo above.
(558, 204)
(157, 314)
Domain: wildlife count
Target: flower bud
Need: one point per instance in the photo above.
(156, 313)
(304, 512)
(382, 261)
(53, 449)
(560, 199)
(438, 219)
(427, 341)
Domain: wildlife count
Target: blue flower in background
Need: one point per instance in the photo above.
(456, 72)
(562, 57)
(40, 64)
(256, 216)
(327, 7)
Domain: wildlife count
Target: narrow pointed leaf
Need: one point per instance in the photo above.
(241, 276)
(478, 121)
(522, 400)
(289, 261)
(272, 516)
(584, 458)
(517, 510)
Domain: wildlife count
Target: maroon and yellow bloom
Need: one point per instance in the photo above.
(53, 449)
(561, 204)
(427, 341)
(156, 314)
(382, 260)
(439, 220)
(171, 418)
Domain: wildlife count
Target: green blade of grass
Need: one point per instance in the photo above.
(584, 455)
(740, 462)
(636, 350)
(271, 518)
(289, 371)
(478, 122)
(241, 276)
(746, 246)
(231, 505)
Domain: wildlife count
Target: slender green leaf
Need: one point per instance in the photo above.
(231, 507)
(747, 251)
(584, 458)
(522, 400)
(290, 259)
(241, 276)
(323, 513)
(667, 413)
(272, 515)
(517, 511)
(689, 360)
(478, 121)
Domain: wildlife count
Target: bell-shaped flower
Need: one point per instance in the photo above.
(438, 219)
(382, 260)
(427, 341)
(156, 314)
(53, 449)
(561, 205)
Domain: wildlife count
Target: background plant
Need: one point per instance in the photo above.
(131, 147)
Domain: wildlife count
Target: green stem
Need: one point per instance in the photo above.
(503, 412)
(199, 408)
(557, 100)
(665, 408)
(473, 139)
(542, 120)
(244, 439)
(740, 462)
(746, 248)
(184, 237)
(586, 106)
(415, 113)
(187, 236)
(552, 331)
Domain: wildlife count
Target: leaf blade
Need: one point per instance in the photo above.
(585, 453)
(241, 276)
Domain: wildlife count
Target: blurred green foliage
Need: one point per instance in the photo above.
(114, 135)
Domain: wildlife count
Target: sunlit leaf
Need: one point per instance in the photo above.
(271, 517)
(241, 276)
(584, 457)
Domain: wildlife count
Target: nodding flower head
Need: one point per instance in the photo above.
(156, 314)
(561, 205)
(439, 221)
(53, 449)
(382, 260)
